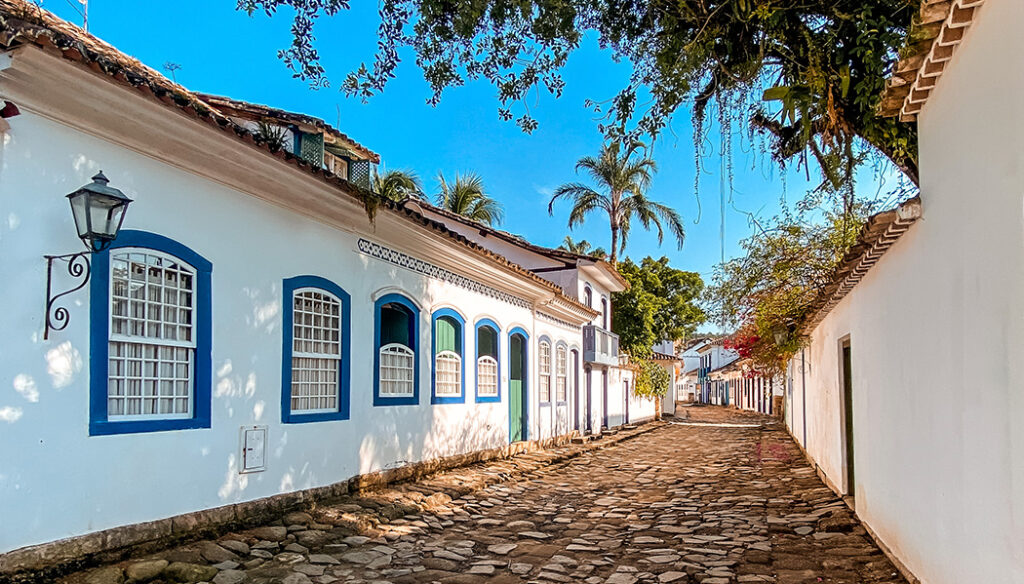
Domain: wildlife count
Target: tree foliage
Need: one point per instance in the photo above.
(397, 185)
(621, 193)
(582, 247)
(661, 303)
(807, 75)
(466, 196)
(766, 293)
(651, 380)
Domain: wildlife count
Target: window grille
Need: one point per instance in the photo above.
(152, 336)
(561, 374)
(316, 351)
(396, 370)
(448, 374)
(359, 172)
(487, 376)
(545, 372)
(311, 148)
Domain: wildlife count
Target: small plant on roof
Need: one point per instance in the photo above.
(271, 134)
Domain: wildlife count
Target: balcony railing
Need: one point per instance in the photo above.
(600, 346)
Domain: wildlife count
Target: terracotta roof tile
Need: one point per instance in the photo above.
(940, 28)
(876, 237)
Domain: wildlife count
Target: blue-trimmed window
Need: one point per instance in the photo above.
(396, 366)
(449, 378)
(561, 373)
(150, 342)
(488, 363)
(544, 371)
(315, 351)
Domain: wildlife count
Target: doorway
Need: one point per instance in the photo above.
(847, 379)
(517, 388)
(587, 424)
(575, 389)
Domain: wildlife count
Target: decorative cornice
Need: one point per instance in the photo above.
(558, 321)
(941, 27)
(428, 269)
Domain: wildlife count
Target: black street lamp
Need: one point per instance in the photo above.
(99, 211)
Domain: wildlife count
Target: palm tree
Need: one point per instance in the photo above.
(398, 185)
(465, 196)
(582, 247)
(623, 183)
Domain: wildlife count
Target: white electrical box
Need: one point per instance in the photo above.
(253, 449)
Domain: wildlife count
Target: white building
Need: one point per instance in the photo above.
(908, 397)
(713, 356)
(250, 333)
(747, 388)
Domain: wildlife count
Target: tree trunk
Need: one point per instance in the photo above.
(615, 243)
(613, 217)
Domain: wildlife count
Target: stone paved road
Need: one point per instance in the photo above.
(684, 503)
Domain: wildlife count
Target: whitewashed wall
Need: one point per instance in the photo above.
(936, 332)
(56, 481)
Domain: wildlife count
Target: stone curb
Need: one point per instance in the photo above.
(43, 563)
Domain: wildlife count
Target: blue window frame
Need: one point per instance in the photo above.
(448, 357)
(561, 371)
(315, 351)
(488, 361)
(396, 358)
(545, 370)
(159, 356)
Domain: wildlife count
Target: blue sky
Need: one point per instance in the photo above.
(226, 52)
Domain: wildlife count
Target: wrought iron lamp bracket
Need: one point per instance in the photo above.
(78, 267)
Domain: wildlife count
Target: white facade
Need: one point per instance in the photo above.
(259, 222)
(934, 331)
(604, 397)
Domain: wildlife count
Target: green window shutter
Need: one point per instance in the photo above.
(311, 149)
(446, 336)
(487, 341)
(394, 325)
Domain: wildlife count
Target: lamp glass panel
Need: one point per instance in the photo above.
(105, 212)
(79, 209)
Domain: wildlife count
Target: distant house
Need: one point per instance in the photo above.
(908, 395)
(687, 388)
(672, 365)
(250, 334)
(713, 356)
(748, 388)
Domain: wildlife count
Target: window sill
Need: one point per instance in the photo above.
(488, 399)
(409, 400)
(300, 418)
(106, 428)
(447, 399)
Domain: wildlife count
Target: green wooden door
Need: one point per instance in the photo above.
(517, 388)
(848, 421)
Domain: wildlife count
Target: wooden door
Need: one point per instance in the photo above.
(848, 416)
(517, 388)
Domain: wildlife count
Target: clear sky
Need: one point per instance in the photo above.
(223, 51)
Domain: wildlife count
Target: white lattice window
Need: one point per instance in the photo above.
(316, 351)
(487, 376)
(448, 374)
(151, 362)
(561, 374)
(545, 372)
(396, 370)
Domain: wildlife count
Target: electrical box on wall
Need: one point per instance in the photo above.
(253, 449)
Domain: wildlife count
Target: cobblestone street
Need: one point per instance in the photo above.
(681, 503)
